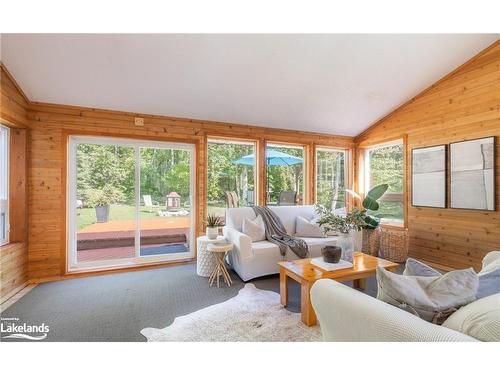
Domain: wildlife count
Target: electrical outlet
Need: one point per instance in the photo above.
(139, 121)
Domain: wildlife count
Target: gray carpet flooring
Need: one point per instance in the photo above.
(116, 307)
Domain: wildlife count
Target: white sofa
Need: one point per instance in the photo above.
(251, 260)
(346, 314)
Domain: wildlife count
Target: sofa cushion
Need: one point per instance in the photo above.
(307, 228)
(479, 319)
(255, 229)
(489, 277)
(288, 215)
(431, 298)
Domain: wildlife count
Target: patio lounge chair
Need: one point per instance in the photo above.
(287, 198)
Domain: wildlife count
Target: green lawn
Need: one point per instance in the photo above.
(86, 216)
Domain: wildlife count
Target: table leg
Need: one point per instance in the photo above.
(307, 312)
(359, 283)
(283, 288)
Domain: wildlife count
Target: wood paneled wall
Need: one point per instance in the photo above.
(14, 256)
(50, 125)
(463, 105)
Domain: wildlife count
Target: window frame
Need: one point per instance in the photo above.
(306, 195)
(72, 266)
(5, 177)
(388, 197)
(235, 140)
(347, 170)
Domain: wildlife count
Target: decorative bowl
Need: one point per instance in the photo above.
(331, 254)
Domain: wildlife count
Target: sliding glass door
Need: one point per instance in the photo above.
(130, 202)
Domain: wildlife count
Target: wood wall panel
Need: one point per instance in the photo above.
(463, 105)
(50, 125)
(14, 256)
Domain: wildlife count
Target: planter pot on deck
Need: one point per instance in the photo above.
(102, 214)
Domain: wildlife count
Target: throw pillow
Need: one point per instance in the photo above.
(489, 277)
(415, 268)
(255, 229)
(479, 319)
(306, 228)
(431, 298)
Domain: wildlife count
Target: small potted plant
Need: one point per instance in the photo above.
(101, 199)
(344, 225)
(213, 222)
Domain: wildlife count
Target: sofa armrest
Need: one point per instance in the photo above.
(346, 314)
(241, 242)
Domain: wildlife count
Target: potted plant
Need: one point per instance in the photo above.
(213, 222)
(101, 199)
(369, 243)
(344, 225)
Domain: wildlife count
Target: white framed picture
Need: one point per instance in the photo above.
(472, 166)
(429, 176)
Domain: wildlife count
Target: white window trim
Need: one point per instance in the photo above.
(72, 266)
(4, 203)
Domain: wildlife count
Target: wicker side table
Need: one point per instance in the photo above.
(205, 261)
(394, 245)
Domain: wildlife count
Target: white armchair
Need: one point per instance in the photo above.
(346, 314)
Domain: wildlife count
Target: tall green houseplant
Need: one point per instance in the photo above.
(370, 203)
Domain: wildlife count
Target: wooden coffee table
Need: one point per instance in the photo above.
(306, 274)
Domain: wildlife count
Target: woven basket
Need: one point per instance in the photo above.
(371, 241)
(394, 245)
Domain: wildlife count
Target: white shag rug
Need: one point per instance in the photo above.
(253, 315)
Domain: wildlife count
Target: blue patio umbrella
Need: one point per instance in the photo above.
(273, 157)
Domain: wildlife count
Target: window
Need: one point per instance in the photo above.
(384, 164)
(130, 202)
(331, 177)
(231, 177)
(4, 185)
(285, 174)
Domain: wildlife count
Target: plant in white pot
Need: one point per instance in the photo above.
(213, 222)
(370, 204)
(344, 225)
(101, 199)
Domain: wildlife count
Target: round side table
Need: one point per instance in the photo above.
(219, 251)
(205, 261)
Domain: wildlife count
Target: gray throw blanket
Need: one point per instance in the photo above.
(276, 233)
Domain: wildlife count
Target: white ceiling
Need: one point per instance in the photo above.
(338, 83)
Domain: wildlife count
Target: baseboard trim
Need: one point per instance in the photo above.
(80, 274)
(13, 292)
(15, 295)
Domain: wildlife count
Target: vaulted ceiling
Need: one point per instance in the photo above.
(337, 83)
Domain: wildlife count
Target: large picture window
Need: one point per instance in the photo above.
(130, 202)
(331, 177)
(4, 185)
(285, 174)
(384, 164)
(231, 177)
